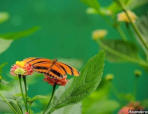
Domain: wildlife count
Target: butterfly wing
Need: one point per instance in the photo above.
(51, 68)
(68, 69)
(46, 66)
(35, 60)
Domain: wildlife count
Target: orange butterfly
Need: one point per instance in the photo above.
(51, 67)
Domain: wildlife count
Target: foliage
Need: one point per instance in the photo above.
(121, 49)
(4, 45)
(100, 100)
(76, 90)
(7, 38)
(80, 87)
(70, 109)
(18, 35)
(88, 93)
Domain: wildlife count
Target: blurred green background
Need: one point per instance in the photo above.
(65, 32)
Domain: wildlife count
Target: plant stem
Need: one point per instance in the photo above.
(116, 93)
(53, 91)
(7, 102)
(135, 87)
(133, 25)
(121, 33)
(26, 95)
(20, 82)
(129, 30)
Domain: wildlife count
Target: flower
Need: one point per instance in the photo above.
(20, 63)
(122, 17)
(99, 34)
(134, 106)
(125, 110)
(52, 80)
(21, 68)
(109, 77)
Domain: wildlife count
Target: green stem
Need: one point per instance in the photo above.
(53, 91)
(134, 26)
(135, 88)
(121, 32)
(118, 28)
(26, 95)
(7, 102)
(116, 93)
(129, 30)
(20, 82)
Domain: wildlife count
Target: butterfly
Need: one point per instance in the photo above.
(50, 67)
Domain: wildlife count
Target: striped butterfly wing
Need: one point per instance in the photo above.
(46, 66)
(35, 60)
(51, 68)
(68, 69)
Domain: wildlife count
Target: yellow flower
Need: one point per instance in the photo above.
(109, 77)
(99, 34)
(122, 17)
(21, 68)
(20, 63)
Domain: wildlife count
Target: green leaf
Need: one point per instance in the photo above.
(3, 17)
(80, 87)
(41, 98)
(92, 3)
(142, 24)
(70, 109)
(16, 106)
(18, 35)
(114, 7)
(132, 4)
(102, 107)
(102, 93)
(4, 45)
(119, 50)
(4, 107)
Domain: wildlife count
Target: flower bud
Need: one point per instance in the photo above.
(122, 17)
(91, 11)
(99, 34)
(109, 77)
(137, 73)
(3, 16)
